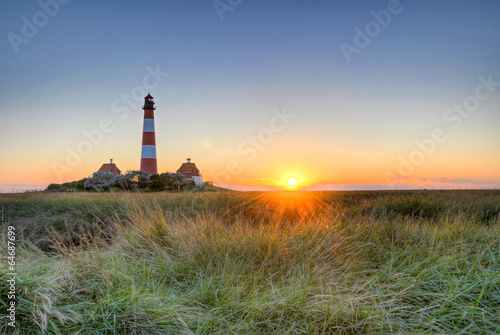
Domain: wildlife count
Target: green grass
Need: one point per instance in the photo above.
(420, 262)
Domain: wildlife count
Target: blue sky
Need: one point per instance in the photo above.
(226, 76)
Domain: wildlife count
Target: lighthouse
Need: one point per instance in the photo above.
(148, 154)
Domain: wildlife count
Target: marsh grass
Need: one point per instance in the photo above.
(258, 263)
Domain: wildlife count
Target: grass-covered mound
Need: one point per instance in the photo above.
(257, 263)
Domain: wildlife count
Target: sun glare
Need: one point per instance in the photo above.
(292, 181)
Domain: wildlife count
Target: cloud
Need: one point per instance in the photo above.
(352, 187)
(9, 188)
(23, 185)
(444, 180)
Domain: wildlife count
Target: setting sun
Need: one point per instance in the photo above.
(292, 181)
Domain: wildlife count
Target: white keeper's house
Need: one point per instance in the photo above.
(190, 171)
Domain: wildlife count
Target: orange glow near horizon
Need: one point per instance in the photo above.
(274, 169)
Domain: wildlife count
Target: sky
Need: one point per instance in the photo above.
(337, 94)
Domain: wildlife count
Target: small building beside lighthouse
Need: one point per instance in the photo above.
(190, 171)
(110, 167)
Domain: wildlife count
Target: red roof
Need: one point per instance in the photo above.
(108, 167)
(189, 170)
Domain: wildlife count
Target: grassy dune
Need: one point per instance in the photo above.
(415, 262)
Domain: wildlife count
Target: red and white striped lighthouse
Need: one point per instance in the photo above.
(148, 154)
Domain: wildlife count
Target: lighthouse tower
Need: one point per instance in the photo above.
(148, 155)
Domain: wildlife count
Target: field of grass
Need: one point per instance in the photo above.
(403, 262)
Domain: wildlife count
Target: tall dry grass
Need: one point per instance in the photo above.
(280, 263)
